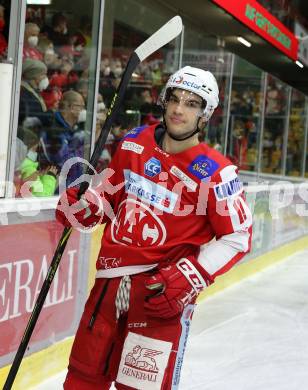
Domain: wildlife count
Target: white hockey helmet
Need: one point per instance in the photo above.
(198, 81)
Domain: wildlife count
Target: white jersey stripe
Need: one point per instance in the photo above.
(217, 254)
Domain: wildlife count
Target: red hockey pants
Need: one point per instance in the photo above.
(137, 351)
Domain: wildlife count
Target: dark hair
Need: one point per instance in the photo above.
(30, 138)
(57, 19)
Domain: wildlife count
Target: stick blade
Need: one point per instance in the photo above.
(160, 38)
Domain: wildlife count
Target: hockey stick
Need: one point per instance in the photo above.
(165, 34)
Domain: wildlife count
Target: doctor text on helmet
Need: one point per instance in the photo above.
(180, 80)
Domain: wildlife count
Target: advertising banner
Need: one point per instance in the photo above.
(25, 254)
(263, 23)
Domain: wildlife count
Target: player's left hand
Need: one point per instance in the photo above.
(174, 287)
(84, 212)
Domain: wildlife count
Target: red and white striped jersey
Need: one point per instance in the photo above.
(168, 206)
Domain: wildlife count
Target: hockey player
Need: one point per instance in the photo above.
(180, 220)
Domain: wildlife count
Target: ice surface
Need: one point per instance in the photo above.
(252, 336)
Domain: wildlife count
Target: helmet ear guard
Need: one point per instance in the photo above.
(198, 81)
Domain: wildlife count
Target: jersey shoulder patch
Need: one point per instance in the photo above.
(229, 185)
(203, 167)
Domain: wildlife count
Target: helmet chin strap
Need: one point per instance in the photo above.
(194, 132)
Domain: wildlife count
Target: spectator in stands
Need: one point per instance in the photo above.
(82, 88)
(268, 145)
(34, 81)
(84, 34)
(116, 67)
(52, 97)
(61, 142)
(150, 111)
(239, 145)
(276, 155)
(30, 125)
(101, 108)
(58, 32)
(118, 131)
(51, 59)
(31, 39)
(37, 181)
(29, 177)
(156, 73)
(65, 77)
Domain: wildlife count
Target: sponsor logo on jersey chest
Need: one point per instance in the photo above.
(132, 146)
(152, 167)
(149, 192)
(189, 183)
(203, 167)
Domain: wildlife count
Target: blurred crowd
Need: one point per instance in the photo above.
(287, 11)
(54, 106)
(53, 101)
(245, 128)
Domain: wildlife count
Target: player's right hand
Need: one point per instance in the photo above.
(173, 287)
(85, 212)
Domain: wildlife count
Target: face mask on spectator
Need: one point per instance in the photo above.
(267, 143)
(32, 155)
(107, 71)
(33, 40)
(64, 30)
(43, 84)
(101, 107)
(79, 48)
(82, 116)
(101, 117)
(117, 71)
(50, 52)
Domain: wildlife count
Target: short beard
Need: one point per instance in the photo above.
(185, 136)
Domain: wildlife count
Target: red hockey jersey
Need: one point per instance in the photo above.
(168, 206)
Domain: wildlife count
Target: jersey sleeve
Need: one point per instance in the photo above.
(231, 221)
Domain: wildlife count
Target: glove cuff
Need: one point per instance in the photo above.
(195, 274)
